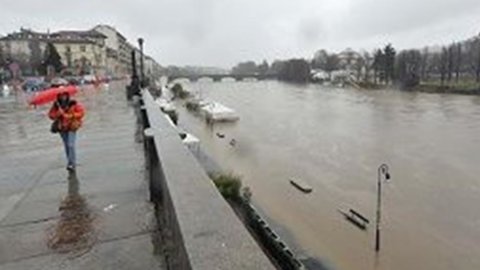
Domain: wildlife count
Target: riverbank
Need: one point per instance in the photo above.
(460, 89)
(447, 89)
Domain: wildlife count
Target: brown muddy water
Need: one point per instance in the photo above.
(334, 140)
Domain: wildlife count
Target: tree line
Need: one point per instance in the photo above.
(444, 65)
(294, 70)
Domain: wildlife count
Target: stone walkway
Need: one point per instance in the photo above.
(110, 178)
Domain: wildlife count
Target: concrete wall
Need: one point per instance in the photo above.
(204, 231)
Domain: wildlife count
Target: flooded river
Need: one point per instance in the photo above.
(335, 139)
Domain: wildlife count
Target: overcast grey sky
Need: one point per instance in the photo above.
(223, 32)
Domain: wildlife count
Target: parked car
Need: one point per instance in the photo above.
(56, 82)
(34, 85)
(87, 79)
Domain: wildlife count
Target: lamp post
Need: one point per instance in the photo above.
(382, 171)
(142, 73)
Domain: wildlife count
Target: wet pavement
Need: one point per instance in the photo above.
(105, 204)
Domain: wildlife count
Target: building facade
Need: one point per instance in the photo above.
(100, 51)
(81, 52)
(118, 50)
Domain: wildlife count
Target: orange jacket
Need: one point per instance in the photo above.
(70, 119)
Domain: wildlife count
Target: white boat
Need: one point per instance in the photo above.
(217, 112)
(165, 105)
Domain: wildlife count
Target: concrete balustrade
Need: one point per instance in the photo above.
(203, 231)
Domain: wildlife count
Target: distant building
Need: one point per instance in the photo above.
(348, 58)
(100, 51)
(82, 52)
(118, 50)
(152, 68)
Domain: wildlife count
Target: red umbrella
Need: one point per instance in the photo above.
(51, 94)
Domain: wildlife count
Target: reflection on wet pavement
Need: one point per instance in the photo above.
(74, 231)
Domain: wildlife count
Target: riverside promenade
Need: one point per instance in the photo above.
(40, 203)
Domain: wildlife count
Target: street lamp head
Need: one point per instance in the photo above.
(383, 169)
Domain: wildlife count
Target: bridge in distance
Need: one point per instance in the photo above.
(220, 77)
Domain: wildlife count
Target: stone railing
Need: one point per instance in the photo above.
(203, 231)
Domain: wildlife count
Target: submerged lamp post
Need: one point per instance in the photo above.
(382, 173)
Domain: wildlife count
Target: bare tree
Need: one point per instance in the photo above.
(444, 65)
(472, 48)
(377, 65)
(450, 61)
(476, 57)
(424, 64)
(368, 63)
(458, 60)
(320, 59)
(359, 66)
(333, 63)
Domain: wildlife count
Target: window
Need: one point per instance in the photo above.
(83, 48)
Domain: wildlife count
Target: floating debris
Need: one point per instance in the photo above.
(301, 185)
(110, 207)
(220, 135)
(355, 218)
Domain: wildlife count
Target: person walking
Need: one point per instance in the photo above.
(67, 115)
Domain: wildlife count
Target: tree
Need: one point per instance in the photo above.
(450, 61)
(320, 59)
(359, 66)
(368, 65)
(35, 56)
(424, 67)
(3, 60)
(378, 64)
(296, 70)
(389, 63)
(245, 68)
(443, 65)
(408, 68)
(472, 59)
(477, 60)
(333, 63)
(276, 67)
(263, 68)
(51, 59)
(458, 60)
